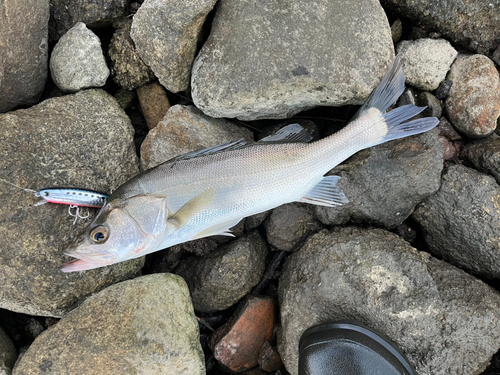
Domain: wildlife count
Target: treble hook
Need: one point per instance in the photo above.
(76, 215)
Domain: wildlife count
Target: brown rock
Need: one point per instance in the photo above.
(449, 150)
(236, 345)
(473, 105)
(269, 358)
(154, 103)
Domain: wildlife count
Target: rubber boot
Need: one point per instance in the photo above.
(349, 348)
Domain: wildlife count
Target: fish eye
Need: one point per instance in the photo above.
(99, 234)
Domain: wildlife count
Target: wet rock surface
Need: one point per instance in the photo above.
(473, 105)
(165, 33)
(444, 320)
(253, 72)
(185, 129)
(484, 155)
(127, 68)
(461, 222)
(221, 278)
(453, 20)
(23, 53)
(145, 325)
(385, 183)
(77, 61)
(426, 61)
(64, 14)
(54, 144)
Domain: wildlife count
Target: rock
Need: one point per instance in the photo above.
(473, 105)
(154, 103)
(408, 97)
(24, 52)
(484, 155)
(64, 14)
(254, 221)
(263, 62)
(141, 326)
(396, 30)
(166, 33)
(385, 183)
(82, 140)
(185, 129)
(449, 150)
(289, 224)
(453, 20)
(236, 345)
(124, 98)
(8, 353)
(221, 278)
(426, 61)
(496, 55)
(444, 320)
(445, 129)
(434, 109)
(269, 358)
(443, 90)
(77, 61)
(461, 221)
(127, 68)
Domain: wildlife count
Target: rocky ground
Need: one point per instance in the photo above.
(92, 92)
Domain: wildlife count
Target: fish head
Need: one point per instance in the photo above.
(124, 229)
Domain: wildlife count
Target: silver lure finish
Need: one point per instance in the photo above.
(73, 197)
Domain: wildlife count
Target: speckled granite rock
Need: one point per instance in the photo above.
(221, 278)
(261, 61)
(166, 33)
(461, 222)
(453, 19)
(473, 104)
(141, 326)
(386, 182)
(426, 61)
(23, 52)
(185, 129)
(444, 320)
(77, 61)
(81, 140)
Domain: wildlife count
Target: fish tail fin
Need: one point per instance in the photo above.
(393, 125)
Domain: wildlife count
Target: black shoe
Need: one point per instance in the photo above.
(349, 348)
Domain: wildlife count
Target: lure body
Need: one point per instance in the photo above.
(72, 197)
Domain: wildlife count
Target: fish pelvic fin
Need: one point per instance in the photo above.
(326, 193)
(393, 124)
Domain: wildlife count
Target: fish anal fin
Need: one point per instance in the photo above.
(192, 207)
(288, 134)
(326, 193)
(221, 229)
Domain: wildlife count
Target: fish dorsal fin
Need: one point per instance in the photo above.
(221, 229)
(288, 134)
(192, 207)
(233, 145)
(326, 193)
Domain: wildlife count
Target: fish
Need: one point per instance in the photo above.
(207, 192)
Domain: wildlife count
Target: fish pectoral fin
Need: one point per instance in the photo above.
(192, 207)
(326, 193)
(288, 134)
(221, 229)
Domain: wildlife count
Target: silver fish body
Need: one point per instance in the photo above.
(207, 192)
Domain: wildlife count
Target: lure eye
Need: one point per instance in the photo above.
(99, 234)
(46, 193)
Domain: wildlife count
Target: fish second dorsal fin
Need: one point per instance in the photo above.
(288, 134)
(326, 193)
(233, 145)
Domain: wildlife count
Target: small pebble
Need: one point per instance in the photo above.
(154, 103)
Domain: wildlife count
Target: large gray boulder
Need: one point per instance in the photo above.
(166, 33)
(474, 24)
(77, 61)
(444, 320)
(141, 326)
(23, 52)
(274, 59)
(82, 140)
(461, 221)
(64, 14)
(386, 182)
